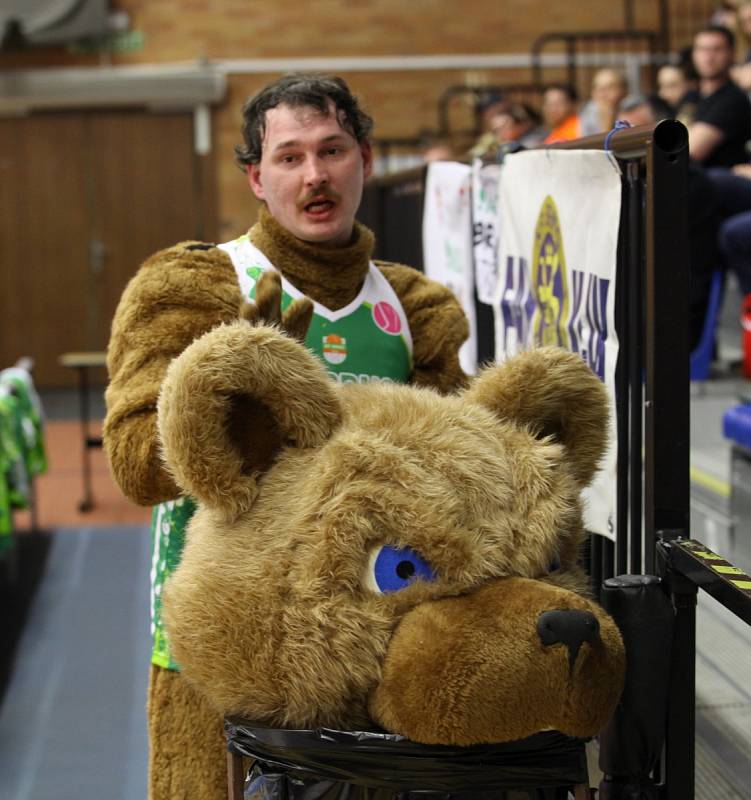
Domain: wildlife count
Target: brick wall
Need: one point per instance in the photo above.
(402, 103)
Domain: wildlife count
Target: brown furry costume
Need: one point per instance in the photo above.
(275, 611)
(178, 295)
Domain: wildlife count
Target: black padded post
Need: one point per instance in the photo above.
(631, 743)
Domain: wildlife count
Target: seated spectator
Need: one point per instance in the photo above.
(722, 124)
(489, 106)
(735, 247)
(434, 147)
(725, 15)
(490, 102)
(676, 89)
(703, 221)
(609, 87)
(741, 73)
(520, 123)
(559, 112)
(642, 109)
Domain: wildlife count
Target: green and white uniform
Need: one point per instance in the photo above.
(367, 340)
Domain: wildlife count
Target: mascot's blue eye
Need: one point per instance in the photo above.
(395, 568)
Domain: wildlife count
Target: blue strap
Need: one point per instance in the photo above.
(619, 125)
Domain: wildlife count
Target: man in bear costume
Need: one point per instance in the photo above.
(307, 266)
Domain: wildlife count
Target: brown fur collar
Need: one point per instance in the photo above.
(330, 276)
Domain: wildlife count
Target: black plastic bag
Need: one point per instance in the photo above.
(326, 764)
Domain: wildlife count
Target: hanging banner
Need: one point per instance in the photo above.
(559, 211)
(447, 242)
(485, 186)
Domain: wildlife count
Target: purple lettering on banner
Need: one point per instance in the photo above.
(577, 281)
(516, 307)
(588, 327)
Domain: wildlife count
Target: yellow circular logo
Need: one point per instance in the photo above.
(549, 281)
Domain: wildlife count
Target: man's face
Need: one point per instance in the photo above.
(311, 174)
(712, 55)
(556, 107)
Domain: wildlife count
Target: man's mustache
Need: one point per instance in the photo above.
(320, 195)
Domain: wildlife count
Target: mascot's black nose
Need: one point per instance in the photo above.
(570, 627)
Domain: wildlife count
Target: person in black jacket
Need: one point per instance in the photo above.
(722, 123)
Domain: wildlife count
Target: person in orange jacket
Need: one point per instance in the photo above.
(560, 114)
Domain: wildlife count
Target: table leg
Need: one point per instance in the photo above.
(87, 501)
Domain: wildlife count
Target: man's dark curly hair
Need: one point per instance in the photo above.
(298, 90)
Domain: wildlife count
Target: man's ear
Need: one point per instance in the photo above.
(553, 393)
(366, 150)
(253, 172)
(231, 402)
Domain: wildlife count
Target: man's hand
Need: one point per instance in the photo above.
(703, 138)
(267, 308)
(744, 170)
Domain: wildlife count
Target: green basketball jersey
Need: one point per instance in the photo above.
(367, 340)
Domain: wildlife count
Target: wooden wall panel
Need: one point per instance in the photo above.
(84, 198)
(43, 251)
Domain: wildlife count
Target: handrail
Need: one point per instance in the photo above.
(572, 38)
(667, 135)
(713, 573)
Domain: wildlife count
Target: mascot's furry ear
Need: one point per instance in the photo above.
(229, 404)
(553, 393)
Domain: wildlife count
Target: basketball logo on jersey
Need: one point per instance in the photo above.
(386, 318)
(334, 348)
(549, 282)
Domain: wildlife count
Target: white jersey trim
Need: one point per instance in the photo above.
(245, 254)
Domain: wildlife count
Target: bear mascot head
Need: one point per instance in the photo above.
(381, 554)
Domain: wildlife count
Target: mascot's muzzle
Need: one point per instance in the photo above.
(569, 627)
(512, 658)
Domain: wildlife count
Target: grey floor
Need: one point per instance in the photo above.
(73, 722)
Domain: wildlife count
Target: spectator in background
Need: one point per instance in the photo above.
(743, 26)
(641, 109)
(704, 216)
(609, 87)
(741, 73)
(676, 90)
(434, 147)
(490, 103)
(722, 124)
(559, 112)
(725, 15)
(520, 123)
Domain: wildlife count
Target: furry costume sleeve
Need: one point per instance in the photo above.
(182, 292)
(177, 295)
(438, 324)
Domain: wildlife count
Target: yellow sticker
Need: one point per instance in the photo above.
(729, 570)
(707, 555)
(742, 584)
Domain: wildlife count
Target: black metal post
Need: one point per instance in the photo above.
(667, 420)
(680, 730)
(622, 396)
(666, 473)
(635, 363)
(595, 563)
